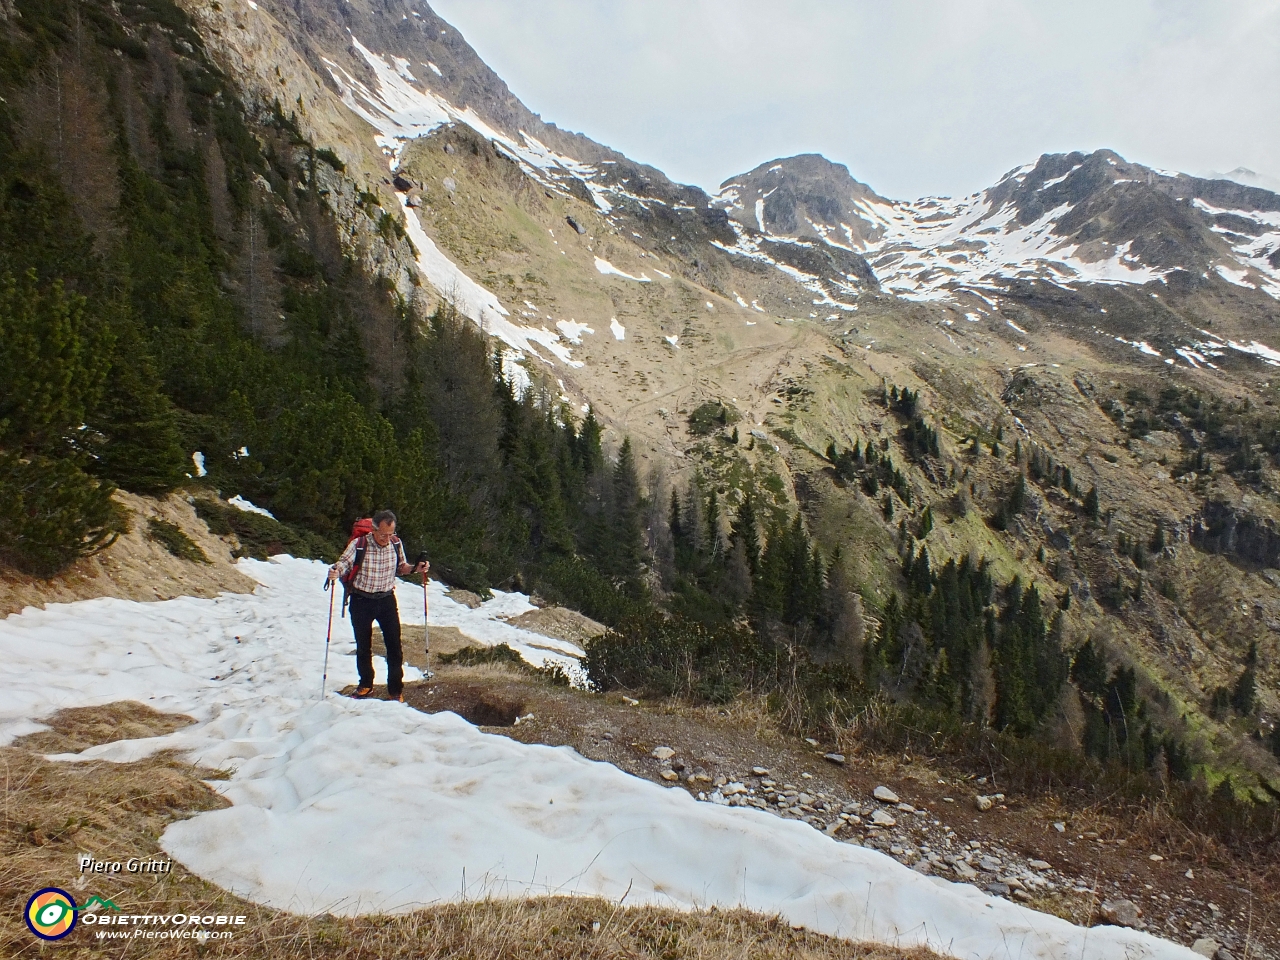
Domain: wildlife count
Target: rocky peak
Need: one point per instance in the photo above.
(805, 196)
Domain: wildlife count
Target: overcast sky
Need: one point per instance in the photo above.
(916, 98)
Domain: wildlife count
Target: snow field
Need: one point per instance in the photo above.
(354, 807)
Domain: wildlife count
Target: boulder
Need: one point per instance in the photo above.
(581, 230)
(1206, 947)
(882, 818)
(885, 795)
(964, 871)
(983, 803)
(662, 753)
(1122, 913)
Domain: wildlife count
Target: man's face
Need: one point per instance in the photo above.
(382, 532)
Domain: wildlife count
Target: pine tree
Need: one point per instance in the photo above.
(590, 454)
(1157, 538)
(746, 533)
(1018, 496)
(137, 425)
(53, 363)
(51, 514)
(625, 521)
(1091, 506)
(1089, 669)
(713, 524)
(1244, 695)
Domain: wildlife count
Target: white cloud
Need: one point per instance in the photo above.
(927, 97)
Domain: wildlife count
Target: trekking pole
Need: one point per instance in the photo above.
(328, 633)
(426, 629)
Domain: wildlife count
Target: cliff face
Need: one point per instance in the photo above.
(1226, 529)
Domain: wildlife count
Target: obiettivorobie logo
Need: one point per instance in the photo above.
(52, 913)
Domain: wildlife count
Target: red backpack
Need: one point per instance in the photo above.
(360, 530)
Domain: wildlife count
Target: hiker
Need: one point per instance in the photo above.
(373, 597)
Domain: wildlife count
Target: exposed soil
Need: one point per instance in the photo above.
(1095, 857)
(136, 567)
(560, 623)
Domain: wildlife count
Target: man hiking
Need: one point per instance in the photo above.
(373, 597)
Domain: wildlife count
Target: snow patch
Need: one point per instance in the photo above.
(402, 68)
(619, 331)
(198, 459)
(608, 269)
(240, 503)
(572, 331)
(1258, 350)
(479, 305)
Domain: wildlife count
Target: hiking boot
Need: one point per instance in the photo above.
(398, 697)
(362, 692)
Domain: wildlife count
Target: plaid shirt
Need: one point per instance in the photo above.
(377, 569)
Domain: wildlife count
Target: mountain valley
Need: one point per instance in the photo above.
(1052, 398)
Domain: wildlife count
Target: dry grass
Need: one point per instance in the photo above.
(79, 728)
(54, 811)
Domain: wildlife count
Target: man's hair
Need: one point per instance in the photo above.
(383, 516)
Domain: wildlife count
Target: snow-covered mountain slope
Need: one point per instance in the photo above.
(804, 197)
(402, 108)
(1067, 219)
(364, 807)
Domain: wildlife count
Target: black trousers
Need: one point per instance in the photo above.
(365, 610)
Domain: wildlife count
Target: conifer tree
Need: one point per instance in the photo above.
(1091, 506)
(54, 360)
(139, 448)
(745, 532)
(625, 520)
(713, 524)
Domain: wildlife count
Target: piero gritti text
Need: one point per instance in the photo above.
(132, 865)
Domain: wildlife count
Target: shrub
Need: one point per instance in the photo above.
(576, 583)
(501, 653)
(52, 514)
(473, 656)
(261, 537)
(170, 536)
(331, 158)
(710, 417)
(669, 656)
